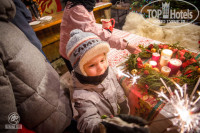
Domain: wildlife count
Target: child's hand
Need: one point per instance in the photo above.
(133, 49)
(125, 124)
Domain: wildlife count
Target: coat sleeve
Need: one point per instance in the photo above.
(7, 99)
(122, 99)
(88, 117)
(85, 21)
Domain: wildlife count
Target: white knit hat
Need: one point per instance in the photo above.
(82, 47)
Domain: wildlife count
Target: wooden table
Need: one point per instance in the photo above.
(56, 19)
(48, 32)
(102, 5)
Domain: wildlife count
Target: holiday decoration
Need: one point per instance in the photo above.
(198, 70)
(153, 50)
(134, 71)
(182, 67)
(174, 64)
(155, 56)
(153, 63)
(166, 52)
(142, 87)
(165, 70)
(164, 60)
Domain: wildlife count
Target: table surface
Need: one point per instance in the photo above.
(115, 57)
(57, 17)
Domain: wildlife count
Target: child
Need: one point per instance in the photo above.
(78, 14)
(96, 91)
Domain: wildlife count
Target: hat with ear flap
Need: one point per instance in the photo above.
(82, 47)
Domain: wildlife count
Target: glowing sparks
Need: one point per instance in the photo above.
(120, 73)
(184, 107)
(128, 75)
(134, 78)
(184, 114)
(196, 99)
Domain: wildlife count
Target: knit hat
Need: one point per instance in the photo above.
(82, 47)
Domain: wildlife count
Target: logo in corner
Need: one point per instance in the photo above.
(13, 118)
(169, 12)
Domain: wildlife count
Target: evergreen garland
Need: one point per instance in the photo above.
(150, 78)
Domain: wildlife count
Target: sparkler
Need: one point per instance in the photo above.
(185, 114)
(184, 107)
(133, 77)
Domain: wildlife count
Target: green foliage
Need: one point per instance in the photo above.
(131, 63)
(189, 81)
(152, 80)
(188, 56)
(138, 3)
(145, 54)
(176, 46)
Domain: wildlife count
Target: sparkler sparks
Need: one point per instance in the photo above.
(184, 111)
(120, 73)
(133, 77)
(184, 107)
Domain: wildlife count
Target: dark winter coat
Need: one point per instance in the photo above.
(21, 20)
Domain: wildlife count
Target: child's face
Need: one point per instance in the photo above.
(96, 66)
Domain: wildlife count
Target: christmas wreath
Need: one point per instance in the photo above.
(150, 77)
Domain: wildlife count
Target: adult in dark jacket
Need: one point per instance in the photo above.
(29, 85)
(22, 18)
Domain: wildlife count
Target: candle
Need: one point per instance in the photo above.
(165, 70)
(153, 63)
(167, 52)
(175, 65)
(155, 57)
(164, 60)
